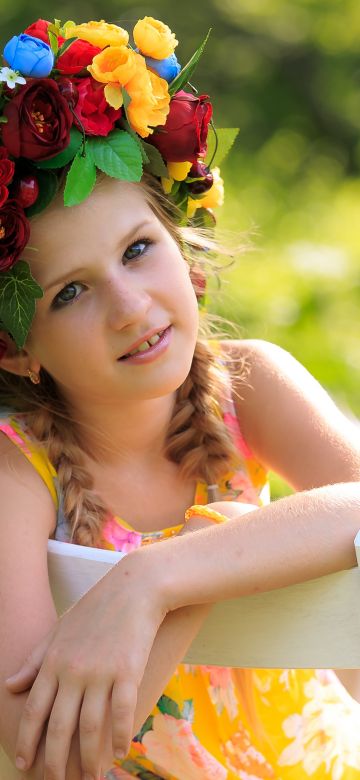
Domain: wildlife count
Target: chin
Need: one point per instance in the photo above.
(164, 381)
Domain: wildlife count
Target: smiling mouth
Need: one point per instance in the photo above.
(145, 345)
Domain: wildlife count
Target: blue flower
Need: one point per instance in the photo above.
(167, 69)
(30, 56)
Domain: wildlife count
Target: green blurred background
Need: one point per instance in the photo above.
(287, 72)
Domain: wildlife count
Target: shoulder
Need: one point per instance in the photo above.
(259, 357)
(23, 492)
(288, 419)
(262, 370)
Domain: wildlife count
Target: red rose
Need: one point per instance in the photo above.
(7, 170)
(95, 114)
(14, 233)
(77, 57)
(7, 167)
(39, 29)
(183, 137)
(39, 121)
(4, 194)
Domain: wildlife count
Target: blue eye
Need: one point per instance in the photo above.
(137, 249)
(67, 295)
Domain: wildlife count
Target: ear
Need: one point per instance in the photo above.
(16, 361)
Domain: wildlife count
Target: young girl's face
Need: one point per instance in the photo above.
(114, 279)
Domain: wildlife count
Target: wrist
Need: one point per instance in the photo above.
(141, 573)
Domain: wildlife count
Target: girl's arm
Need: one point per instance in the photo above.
(294, 427)
(28, 614)
(26, 608)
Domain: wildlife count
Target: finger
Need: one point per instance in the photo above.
(62, 725)
(123, 704)
(34, 716)
(92, 725)
(25, 676)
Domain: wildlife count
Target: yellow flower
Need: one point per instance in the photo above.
(150, 99)
(167, 185)
(115, 64)
(213, 197)
(178, 170)
(153, 38)
(98, 33)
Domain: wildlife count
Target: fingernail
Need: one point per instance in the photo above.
(20, 762)
(87, 777)
(119, 754)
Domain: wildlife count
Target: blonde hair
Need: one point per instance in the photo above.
(197, 440)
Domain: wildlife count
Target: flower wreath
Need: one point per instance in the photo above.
(79, 97)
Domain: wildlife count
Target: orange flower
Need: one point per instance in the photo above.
(98, 33)
(153, 38)
(150, 100)
(115, 64)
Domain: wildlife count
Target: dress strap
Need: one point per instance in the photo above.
(16, 429)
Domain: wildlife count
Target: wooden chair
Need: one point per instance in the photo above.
(315, 624)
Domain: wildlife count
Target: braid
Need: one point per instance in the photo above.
(83, 508)
(197, 438)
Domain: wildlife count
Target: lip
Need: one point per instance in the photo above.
(153, 351)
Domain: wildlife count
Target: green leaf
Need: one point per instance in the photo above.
(140, 143)
(53, 41)
(64, 157)
(18, 293)
(3, 120)
(64, 27)
(186, 73)
(147, 726)
(169, 707)
(118, 155)
(126, 99)
(48, 187)
(175, 188)
(156, 164)
(203, 218)
(65, 46)
(80, 179)
(226, 137)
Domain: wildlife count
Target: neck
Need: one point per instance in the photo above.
(135, 431)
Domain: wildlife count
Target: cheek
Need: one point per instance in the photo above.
(53, 343)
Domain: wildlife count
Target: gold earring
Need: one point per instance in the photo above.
(34, 377)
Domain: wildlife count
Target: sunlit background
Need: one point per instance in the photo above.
(287, 72)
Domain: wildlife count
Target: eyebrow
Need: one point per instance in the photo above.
(73, 272)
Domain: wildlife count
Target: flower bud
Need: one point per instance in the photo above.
(30, 56)
(26, 190)
(167, 68)
(69, 91)
(205, 180)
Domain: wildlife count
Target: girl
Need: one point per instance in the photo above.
(120, 416)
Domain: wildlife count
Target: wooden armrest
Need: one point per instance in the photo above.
(313, 624)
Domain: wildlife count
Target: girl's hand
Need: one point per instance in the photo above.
(87, 672)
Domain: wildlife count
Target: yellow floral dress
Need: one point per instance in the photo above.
(300, 723)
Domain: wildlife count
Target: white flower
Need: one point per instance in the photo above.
(325, 735)
(12, 77)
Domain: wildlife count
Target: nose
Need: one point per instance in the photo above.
(127, 302)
